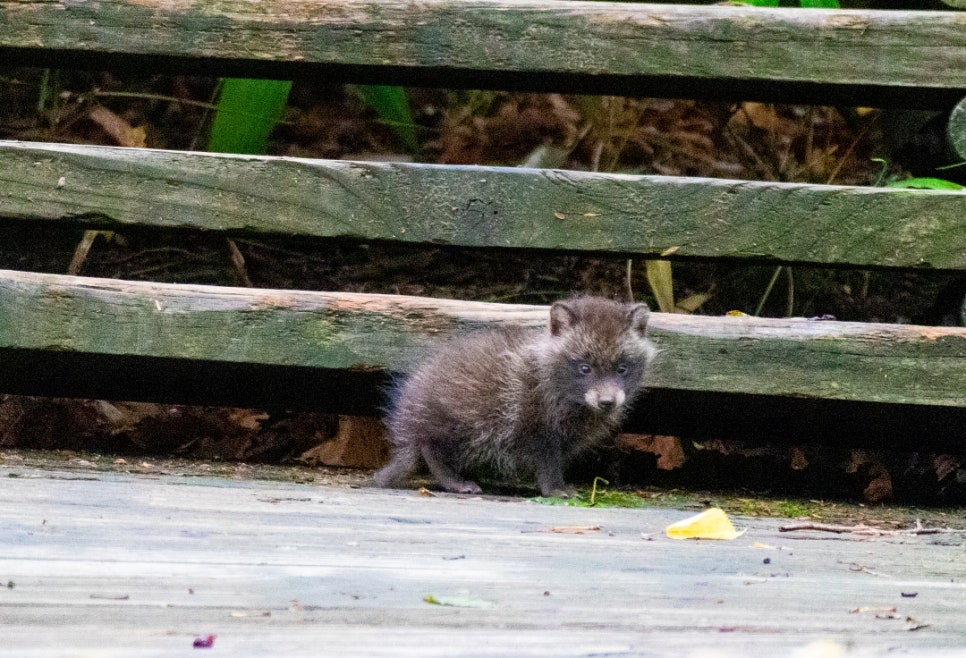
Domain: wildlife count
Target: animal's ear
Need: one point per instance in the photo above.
(639, 315)
(562, 318)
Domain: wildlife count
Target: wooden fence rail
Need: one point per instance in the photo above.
(854, 57)
(349, 331)
(485, 206)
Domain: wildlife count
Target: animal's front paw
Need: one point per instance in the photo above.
(559, 492)
(467, 487)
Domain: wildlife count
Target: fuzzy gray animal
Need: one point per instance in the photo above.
(519, 403)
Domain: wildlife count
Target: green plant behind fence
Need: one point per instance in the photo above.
(246, 114)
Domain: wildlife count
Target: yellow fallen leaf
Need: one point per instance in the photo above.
(710, 524)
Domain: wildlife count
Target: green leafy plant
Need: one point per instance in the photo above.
(918, 183)
(391, 104)
(246, 114)
(248, 110)
(926, 184)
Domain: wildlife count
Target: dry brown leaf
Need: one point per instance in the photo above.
(692, 303)
(123, 133)
(764, 117)
(247, 419)
(880, 488)
(669, 449)
(946, 465)
(360, 442)
(799, 461)
(857, 459)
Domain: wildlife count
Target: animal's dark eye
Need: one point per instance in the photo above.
(622, 368)
(584, 369)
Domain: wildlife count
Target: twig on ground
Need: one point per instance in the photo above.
(867, 530)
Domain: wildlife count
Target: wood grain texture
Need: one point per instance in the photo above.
(956, 129)
(123, 565)
(598, 47)
(797, 357)
(485, 206)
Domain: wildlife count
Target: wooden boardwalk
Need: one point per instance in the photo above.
(123, 565)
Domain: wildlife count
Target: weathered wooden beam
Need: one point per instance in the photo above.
(485, 206)
(956, 129)
(852, 57)
(811, 359)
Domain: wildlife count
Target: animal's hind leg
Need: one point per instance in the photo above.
(445, 474)
(403, 464)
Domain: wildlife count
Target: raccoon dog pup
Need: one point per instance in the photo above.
(520, 403)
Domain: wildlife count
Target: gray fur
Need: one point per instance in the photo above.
(517, 403)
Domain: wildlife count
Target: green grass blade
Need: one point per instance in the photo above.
(661, 280)
(392, 106)
(247, 113)
(926, 183)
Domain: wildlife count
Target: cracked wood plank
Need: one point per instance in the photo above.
(485, 206)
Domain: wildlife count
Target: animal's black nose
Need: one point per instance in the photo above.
(606, 404)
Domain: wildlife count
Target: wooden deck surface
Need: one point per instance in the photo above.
(123, 565)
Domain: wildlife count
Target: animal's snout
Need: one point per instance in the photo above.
(606, 397)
